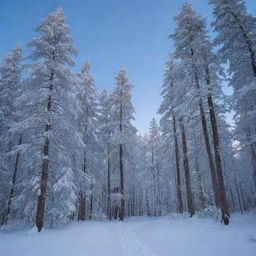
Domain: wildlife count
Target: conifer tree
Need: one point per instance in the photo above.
(122, 110)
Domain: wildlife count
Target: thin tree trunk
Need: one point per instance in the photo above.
(253, 157)
(121, 167)
(209, 152)
(109, 188)
(222, 197)
(148, 208)
(238, 195)
(82, 200)
(159, 213)
(232, 199)
(121, 214)
(221, 185)
(91, 203)
(201, 192)
(206, 137)
(242, 195)
(45, 166)
(177, 161)
(82, 207)
(190, 200)
(9, 201)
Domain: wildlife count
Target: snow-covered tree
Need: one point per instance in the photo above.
(105, 134)
(88, 124)
(10, 83)
(194, 51)
(236, 38)
(50, 121)
(122, 114)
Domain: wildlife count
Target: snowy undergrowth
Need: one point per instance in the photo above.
(138, 236)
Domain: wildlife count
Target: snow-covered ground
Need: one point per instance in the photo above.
(137, 236)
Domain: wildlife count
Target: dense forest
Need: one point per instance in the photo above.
(69, 152)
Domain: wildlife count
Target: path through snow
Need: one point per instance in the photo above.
(137, 237)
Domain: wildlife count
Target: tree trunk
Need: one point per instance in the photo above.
(82, 207)
(242, 195)
(121, 167)
(206, 136)
(9, 201)
(45, 166)
(221, 185)
(201, 192)
(209, 152)
(177, 161)
(238, 195)
(109, 189)
(190, 200)
(159, 210)
(82, 200)
(121, 214)
(91, 203)
(253, 158)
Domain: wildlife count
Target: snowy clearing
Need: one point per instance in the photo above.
(138, 236)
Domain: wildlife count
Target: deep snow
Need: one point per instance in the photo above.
(137, 236)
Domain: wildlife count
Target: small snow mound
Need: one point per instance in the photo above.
(210, 212)
(32, 231)
(176, 216)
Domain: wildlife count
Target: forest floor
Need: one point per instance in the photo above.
(138, 236)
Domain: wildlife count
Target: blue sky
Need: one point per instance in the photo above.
(111, 33)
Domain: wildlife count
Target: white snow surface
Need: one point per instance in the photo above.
(140, 236)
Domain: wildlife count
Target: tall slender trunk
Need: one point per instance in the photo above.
(109, 187)
(10, 197)
(200, 186)
(121, 214)
(121, 167)
(91, 203)
(45, 165)
(222, 197)
(253, 156)
(82, 199)
(190, 200)
(238, 195)
(159, 212)
(82, 206)
(221, 184)
(177, 161)
(154, 182)
(242, 195)
(206, 136)
(209, 152)
(148, 207)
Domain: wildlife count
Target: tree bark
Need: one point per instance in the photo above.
(253, 158)
(121, 167)
(190, 200)
(10, 197)
(177, 161)
(91, 203)
(82, 207)
(238, 195)
(121, 214)
(201, 192)
(221, 184)
(45, 166)
(206, 137)
(109, 188)
(209, 152)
